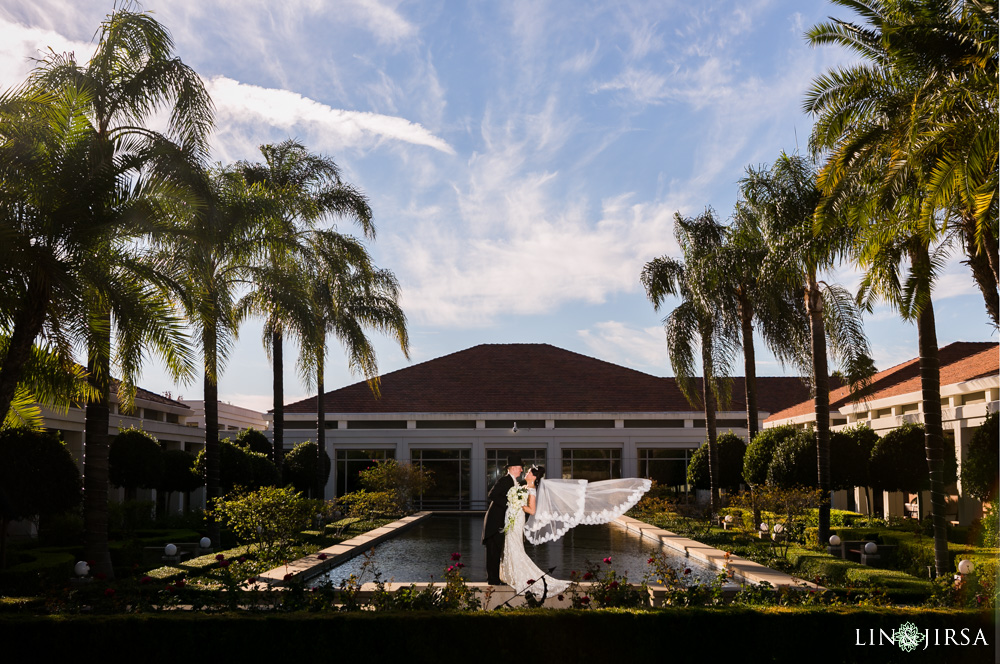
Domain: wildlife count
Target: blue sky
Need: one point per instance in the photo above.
(523, 159)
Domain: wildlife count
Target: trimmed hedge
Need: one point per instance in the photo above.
(674, 635)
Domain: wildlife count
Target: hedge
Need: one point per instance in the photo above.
(670, 635)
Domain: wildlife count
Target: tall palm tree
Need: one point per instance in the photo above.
(349, 297)
(697, 320)
(785, 197)
(758, 298)
(308, 189)
(926, 93)
(131, 76)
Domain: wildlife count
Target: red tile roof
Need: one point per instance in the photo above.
(515, 378)
(960, 361)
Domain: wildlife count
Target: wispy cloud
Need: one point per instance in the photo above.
(644, 349)
(240, 103)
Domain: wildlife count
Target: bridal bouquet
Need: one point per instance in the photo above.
(517, 497)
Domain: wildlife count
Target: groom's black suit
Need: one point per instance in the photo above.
(493, 524)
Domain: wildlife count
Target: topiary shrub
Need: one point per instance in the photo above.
(899, 461)
(270, 517)
(760, 451)
(255, 441)
(794, 462)
(300, 467)
(241, 468)
(981, 467)
(731, 452)
(135, 461)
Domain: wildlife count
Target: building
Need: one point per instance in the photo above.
(461, 415)
(970, 390)
(232, 419)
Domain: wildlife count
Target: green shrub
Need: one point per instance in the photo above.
(899, 461)
(135, 461)
(981, 467)
(364, 504)
(794, 462)
(269, 517)
(405, 481)
(760, 451)
(241, 468)
(37, 473)
(300, 467)
(255, 441)
(731, 450)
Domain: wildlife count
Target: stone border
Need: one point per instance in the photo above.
(314, 565)
(746, 570)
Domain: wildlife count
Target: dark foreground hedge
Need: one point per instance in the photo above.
(674, 635)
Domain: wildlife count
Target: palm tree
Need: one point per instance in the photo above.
(769, 301)
(698, 319)
(308, 188)
(926, 94)
(348, 297)
(124, 175)
(923, 161)
(785, 197)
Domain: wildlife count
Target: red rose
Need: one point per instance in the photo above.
(530, 581)
(650, 561)
(587, 576)
(456, 556)
(220, 557)
(322, 556)
(613, 584)
(607, 561)
(180, 583)
(109, 592)
(146, 579)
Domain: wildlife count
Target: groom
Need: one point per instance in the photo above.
(493, 523)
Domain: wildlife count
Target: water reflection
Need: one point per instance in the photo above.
(423, 552)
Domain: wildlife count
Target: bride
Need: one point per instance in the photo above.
(553, 507)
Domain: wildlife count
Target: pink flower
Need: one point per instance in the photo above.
(450, 568)
(220, 557)
(587, 576)
(607, 561)
(456, 556)
(530, 581)
(459, 565)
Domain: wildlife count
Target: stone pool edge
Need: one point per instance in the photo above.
(744, 570)
(313, 565)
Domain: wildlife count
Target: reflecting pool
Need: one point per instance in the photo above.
(422, 553)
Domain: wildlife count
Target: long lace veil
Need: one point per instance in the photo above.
(563, 504)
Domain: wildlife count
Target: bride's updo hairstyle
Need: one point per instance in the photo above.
(538, 472)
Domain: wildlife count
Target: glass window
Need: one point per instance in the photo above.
(451, 472)
(350, 463)
(591, 464)
(667, 467)
(496, 462)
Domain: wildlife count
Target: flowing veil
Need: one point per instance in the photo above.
(564, 504)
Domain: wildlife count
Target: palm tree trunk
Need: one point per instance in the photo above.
(930, 388)
(708, 399)
(749, 368)
(95, 460)
(213, 484)
(821, 402)
(278, 438)
(320, 428)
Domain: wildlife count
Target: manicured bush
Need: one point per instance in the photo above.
(405, 481)
(300, 469)
(850, 450)
(270, 518)
(731, 451)
(135, 461)
(760, 451)
(981, 467)
(180, 472)
(899, 461)
(794, 462)
(241, 468)
(255, 441)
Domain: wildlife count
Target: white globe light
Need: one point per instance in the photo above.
(965, 566)
(729, 518)
(81, 568)
(834, 540)
(170, 550)
(871, 548)
(778, 528)
(763, 527)
(205, 543)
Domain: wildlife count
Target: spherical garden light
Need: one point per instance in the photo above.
(779, 528)
(729, 518)
(871, 548)
(170, 550)
(965, 567)
(834, 540)
(763, 527)
(205, 543)
(81, 568)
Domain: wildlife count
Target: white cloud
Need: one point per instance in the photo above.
(644, 349)
(239, 103)
(20, 46)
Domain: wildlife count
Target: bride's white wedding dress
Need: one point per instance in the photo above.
(516, 568)
(559, 506)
